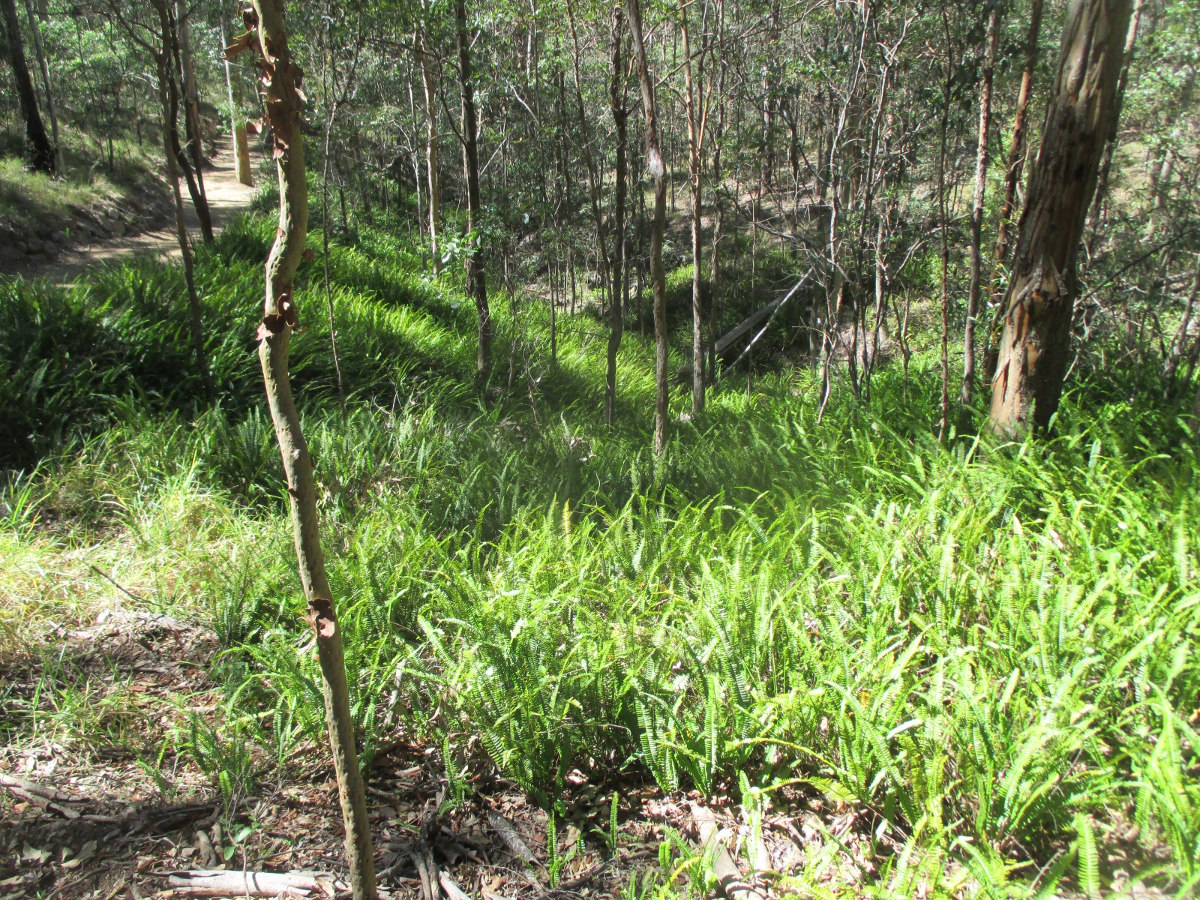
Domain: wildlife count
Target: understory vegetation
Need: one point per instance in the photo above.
(980, 655)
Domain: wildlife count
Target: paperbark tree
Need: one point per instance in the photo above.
(38, 152)
(1041, 295)
(657, 169)
(281, 105)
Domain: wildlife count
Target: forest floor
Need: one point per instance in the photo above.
(93, 808)
(226, 198)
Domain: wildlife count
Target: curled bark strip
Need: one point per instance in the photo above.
(321, 616)
(240, 44)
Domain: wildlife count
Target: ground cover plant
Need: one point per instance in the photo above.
(959, 668)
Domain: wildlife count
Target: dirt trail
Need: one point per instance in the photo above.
(226, 197)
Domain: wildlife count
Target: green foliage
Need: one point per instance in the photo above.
(988, 648)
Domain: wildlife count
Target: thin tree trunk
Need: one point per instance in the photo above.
(38, 153)
(191, 91)
(181, 235)
(657, 169)
(616, 310)
(693, 109)
(241, 146)
(476, 278)
(1041, 295)
(193, 162)
(40, 53)
(425, 60)
(282, 107)
(981, 161)
(1179, 342)
(943, 216)
(590, 163)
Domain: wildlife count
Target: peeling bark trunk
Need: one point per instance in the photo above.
(282, 108)
(1040, 301)
(1012, 178)
(657, 169)
(1110, 145)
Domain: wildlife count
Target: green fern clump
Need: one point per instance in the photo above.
(985, 649)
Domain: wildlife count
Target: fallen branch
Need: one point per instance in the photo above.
(729, 876)
(511, 839)
(221, 883)
(452, 890)
(46, 797)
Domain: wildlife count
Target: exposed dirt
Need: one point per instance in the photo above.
(97, 800)
(226, 197)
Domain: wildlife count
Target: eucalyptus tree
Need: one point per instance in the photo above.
(1040, 302)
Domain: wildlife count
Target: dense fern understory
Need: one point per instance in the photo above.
(987, 650)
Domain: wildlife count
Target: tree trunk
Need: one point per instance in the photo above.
(476, 278)
(191, 91)
(943, 217)
(425, 60)
(1012, 178)
(181, 235)
(1110, 145)
(1041, 294)
(981, 161)
(657, 169)
(590, 163)
(40, 53)
(241, 146)
(282, 107)
(192, 162)
(693, 107)
(38, 152)
(620, 283)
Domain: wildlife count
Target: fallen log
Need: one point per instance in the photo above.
(765, 316)
(222, 883)
(729, 876)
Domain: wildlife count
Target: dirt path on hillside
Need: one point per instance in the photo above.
(226, 197)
